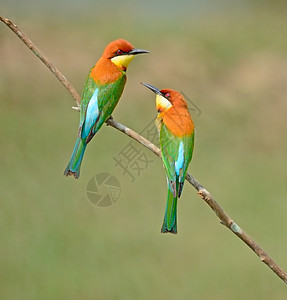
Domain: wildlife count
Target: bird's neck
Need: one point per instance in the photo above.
(105, 72)
(178, 121)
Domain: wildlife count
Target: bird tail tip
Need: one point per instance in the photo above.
(170, 218)
(164, 229)
(69, 172)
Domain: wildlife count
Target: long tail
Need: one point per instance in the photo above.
(169, 222)
(73, 168)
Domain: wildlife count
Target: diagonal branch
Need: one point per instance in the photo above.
(202, 192)
(43, 58)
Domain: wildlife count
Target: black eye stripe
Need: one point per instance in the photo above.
(120, 52)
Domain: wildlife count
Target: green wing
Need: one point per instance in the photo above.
(107, 95)
(88, 91)
(176, 156)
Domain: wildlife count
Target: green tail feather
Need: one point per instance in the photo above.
(73, 168)
(170, 222)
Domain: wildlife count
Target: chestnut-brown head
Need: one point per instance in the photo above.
(121, 53)
(167, 98)
(172, 111)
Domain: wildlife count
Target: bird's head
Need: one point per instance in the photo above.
(166, 99)
(121, 53)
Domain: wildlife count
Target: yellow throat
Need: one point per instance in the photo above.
(122, 61)
(162, 104)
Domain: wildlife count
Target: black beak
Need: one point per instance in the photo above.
(152, 88)
(138, 51)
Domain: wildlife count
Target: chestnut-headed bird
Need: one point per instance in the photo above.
(176, 137)
(101, 93)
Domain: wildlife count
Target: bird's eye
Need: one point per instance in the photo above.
(167, 95)
(119, 51)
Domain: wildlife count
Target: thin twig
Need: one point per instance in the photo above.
(203, 193)
(43, 58)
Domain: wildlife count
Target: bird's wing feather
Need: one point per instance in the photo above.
(109, 96)
(92, 114)
(169, 149)
(97, 104)
(88, 92)
(176, 155)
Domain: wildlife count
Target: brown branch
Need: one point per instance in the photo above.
(203, 193)
(43, 58)
(206, 196)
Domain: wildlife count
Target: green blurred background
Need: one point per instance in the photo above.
(230, 58)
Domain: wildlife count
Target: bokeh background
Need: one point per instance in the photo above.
(230, 58)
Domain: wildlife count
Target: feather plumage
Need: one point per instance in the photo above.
(176, 137)
(101, 93)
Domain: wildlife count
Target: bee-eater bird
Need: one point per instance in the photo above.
(176, 137)
(101, 93)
